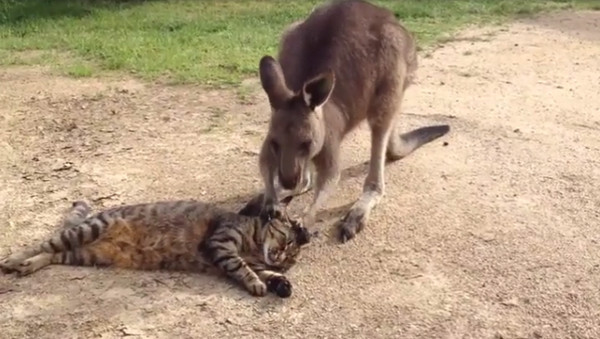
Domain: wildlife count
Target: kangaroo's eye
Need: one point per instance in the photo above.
(274, 146)
(305, 147)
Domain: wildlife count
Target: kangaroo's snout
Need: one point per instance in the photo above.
(289, 182)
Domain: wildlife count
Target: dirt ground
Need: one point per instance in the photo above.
(495, 235)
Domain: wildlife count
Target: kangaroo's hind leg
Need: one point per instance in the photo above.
(380, 116)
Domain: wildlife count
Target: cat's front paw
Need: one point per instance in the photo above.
(279, 285)
(257, 288)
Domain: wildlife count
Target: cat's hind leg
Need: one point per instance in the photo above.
(87, 256)
(75, 216)
(11, 263)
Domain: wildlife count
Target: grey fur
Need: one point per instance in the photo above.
(347, 62)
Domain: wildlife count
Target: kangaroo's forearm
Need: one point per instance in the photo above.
(267, 172)
(328, 175)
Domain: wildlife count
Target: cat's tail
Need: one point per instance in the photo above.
(77, 214)
(80, 232)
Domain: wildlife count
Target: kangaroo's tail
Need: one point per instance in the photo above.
(406, 143)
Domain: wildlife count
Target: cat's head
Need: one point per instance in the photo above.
(283, 238)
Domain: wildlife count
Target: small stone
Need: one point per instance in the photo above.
(128, 331)
(63, 167)
(512, 302)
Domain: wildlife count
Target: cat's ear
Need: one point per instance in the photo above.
(253, 207)
(265, 218)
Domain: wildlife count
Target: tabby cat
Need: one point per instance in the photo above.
(178, 235)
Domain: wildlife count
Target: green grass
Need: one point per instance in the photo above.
(79, 70)
(208, 42)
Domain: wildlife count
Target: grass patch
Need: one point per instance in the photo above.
(79, 70)
(27, 57)
(209, 42)
(245, 92)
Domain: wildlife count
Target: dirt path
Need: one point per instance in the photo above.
(496, 235)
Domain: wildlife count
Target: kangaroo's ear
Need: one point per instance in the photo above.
(273, 81)
(317, 90)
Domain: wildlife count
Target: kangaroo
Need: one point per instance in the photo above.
(347, 62)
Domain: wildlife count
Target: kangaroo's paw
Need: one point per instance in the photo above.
(352, 223)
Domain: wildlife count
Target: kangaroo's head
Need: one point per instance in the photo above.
(297, 131)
